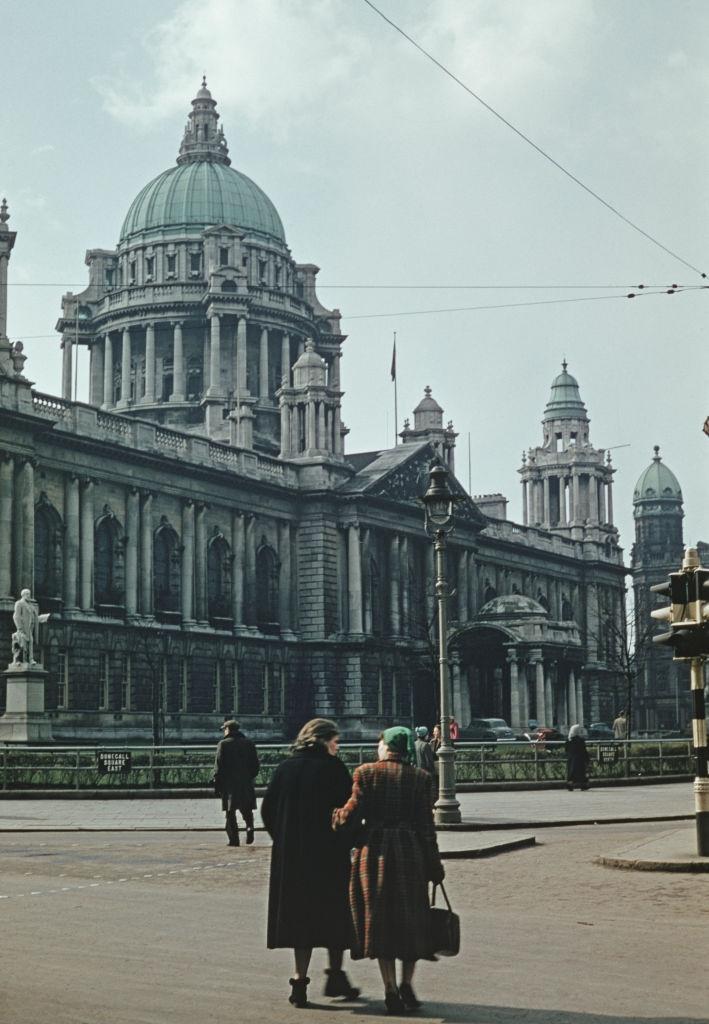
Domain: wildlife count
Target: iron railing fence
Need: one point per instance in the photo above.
(132, 767)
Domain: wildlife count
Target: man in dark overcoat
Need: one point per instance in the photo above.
(235, 769)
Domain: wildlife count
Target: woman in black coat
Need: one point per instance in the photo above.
(576, 759)
(310, 864)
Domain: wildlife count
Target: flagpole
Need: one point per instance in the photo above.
(396, 396)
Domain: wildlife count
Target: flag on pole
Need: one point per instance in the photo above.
(393, 360)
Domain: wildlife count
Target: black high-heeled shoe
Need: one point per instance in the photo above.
(338, 984)
(408, 997)
(394, 1003)
(299, 994)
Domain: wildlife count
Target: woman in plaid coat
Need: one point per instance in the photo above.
(391, 868)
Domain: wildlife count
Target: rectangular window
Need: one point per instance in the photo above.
(125, 682)
(131, 271)
(262, 270)
(195, 262)
(63, 679)
(380, 693)
(184, 684)
(274, 696)
(171, 264)
(217, 687)
(110, 277)
(223, 256)
(235, 682)
(149, 267)
(103, 682)
(278, 276)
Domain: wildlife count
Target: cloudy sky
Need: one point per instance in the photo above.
(387, 173)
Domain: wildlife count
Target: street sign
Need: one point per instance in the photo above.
(109, 761)
(607, 752)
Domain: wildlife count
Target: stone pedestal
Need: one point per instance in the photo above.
(25, 720)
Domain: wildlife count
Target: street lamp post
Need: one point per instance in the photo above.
(438, 504)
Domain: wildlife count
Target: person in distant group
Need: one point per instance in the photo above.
(620, 726)
(310, 863)
(454, 729)
(424, 754)
(435, 741)
(576, 759)
(235, 769)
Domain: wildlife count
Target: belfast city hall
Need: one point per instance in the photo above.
(205, 543)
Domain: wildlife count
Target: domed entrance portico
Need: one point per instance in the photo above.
(514, 663)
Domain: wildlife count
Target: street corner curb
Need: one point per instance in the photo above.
(491, 850)
(638, 864)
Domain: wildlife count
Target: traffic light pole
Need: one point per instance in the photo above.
(699, 737)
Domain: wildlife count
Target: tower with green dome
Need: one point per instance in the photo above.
(196, 319)
(662, 701)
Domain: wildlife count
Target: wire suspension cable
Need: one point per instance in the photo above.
(534, 145)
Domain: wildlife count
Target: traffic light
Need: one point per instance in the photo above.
(688, 610)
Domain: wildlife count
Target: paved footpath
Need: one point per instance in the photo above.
(518, 809)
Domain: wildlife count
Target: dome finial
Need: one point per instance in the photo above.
(564, 364)
(4, 215)
(657, 457)
(204, 81)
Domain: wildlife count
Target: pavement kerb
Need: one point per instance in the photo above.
(639, 864)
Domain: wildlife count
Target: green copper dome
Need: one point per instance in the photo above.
(565, 401)
(202, 190)
(657, 483)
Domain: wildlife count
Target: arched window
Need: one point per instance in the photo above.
(490, 592)
(543, 600)
(194, 379)
(166, 570)
(567, 612)
(109, 580)
(267, 570)
(219, 578)
(48, 552)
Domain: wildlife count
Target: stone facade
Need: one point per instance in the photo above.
(205, 544)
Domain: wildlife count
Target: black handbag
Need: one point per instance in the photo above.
(444, 925)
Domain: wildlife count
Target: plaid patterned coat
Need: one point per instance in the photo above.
(396, 858)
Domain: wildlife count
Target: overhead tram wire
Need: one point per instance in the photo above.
(534, 145)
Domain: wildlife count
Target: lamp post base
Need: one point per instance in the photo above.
(447, 812)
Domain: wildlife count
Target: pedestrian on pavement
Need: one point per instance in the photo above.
(424, 754)
(620, 725)
(310, 863)
(396, 858)
(435, 741)
(577, 759)
(235, 769)
(454, 730)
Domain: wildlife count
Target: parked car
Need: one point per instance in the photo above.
(501, 729)
(600, 731)
(477, 732)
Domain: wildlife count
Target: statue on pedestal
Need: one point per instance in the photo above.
(26, 635)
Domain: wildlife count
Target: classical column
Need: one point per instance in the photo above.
(463, 586)
(609, 501)
(285, 360)
(523, 693)
(548, 695)
(131, 542)
(146, 555)
(575, 496)
(337, 431)
(456, 688)
(601, 490)
(539, 673)
(187, 568)
(405, 583)
(525, 512)
(285, 430)
(107, 372)
(579, 701)
(472, 585)
(200, 564)
(335, 371)
(284, 591)
(87, 545)
(215, 355)
(7, 469)
(263, 366)
(429, 589)
(241, 349)
(178, 364)
(27, 477)
(562, 500)
(149, 396)
(321, 443)
(237, 582)
(592, 498)
(394, 567)
(571, 698)
(67, 364)
(515, 702)
(96, 374)
(125, 369)
(71, 541)
(354, 578)
(546, 512)
(311, 439)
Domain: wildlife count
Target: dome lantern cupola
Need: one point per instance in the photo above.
(565, 401)
(203, 138)
(657, 489)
